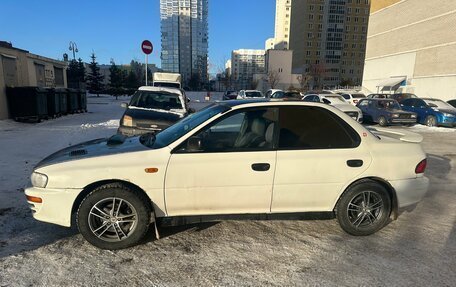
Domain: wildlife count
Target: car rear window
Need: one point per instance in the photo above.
(314, 128)
(358, 96)
(156, 100)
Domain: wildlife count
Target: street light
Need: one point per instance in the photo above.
(74, 48)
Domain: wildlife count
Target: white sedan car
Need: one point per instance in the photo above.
(249, 157)
(337, 101)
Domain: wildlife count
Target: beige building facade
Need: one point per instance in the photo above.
(329, 38)
(282, 24)
(20, 68)
(244, 64)
(413, 41)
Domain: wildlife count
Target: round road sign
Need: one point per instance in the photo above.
(147, 47)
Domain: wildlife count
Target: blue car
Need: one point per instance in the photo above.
(385, 112)
(431, 112)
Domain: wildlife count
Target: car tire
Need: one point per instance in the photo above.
(382, 121)
(99, 222)
(431, 121)
(363, 208)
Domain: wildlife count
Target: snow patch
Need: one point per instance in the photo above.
(111, 124)
(426, 129)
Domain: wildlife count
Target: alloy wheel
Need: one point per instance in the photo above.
(365, 209)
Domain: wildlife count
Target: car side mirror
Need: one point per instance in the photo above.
(194, 144)
(191, 111)
(188, 100)
(124, 105)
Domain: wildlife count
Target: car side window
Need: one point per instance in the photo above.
(314, 128)
(419, 103)
(245, 130)
(364, 104)
(310, 99)
(346, 96)
(408, 103)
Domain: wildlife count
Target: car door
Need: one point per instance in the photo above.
(225, 168)
(318, 155)
(366, 107)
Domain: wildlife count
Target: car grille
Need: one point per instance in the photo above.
(405, 116)
(353, 114)
(150, 125)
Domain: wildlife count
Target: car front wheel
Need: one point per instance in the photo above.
(114, 217)
(382, 121)
(431, 121)
(364, 209)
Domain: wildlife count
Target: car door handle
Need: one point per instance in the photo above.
(354, 163)
(261, 166)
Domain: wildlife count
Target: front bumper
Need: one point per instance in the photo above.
(410, 191)
(401, 121)
(135, 131)
(56, 205)
(447, 122)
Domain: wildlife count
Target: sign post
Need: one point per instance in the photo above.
(147, 49)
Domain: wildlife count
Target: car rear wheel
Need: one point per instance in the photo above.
(431, 121)
(114, 217)
(382, 121)
(364, 209)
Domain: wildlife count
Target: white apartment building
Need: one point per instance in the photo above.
(282, 24)
(244, 64)
(269, 44)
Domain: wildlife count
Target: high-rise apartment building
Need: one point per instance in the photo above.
(184, 38)
(328, 38)
(282, 24)
(244, 64)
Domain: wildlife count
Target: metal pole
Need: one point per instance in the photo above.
(146, 68)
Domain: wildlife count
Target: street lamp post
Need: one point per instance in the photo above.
(74, 48)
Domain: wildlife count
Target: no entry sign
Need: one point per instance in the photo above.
(147, 47)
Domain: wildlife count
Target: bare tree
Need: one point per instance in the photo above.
(273, 78)
(304, 80)
(317, 71)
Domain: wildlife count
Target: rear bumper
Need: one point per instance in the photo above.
(56, 204)
(135, 131)
(410, 191)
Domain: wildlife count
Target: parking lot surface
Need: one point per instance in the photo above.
(417, 249)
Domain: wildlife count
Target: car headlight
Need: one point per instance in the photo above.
(448, 115)
(39, 179)
(127, 121)
(395, 116)
(413, 116)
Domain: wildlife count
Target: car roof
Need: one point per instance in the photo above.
(160, 89)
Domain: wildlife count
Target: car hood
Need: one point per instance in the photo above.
(94, 148)
(448, 111)
(155, 114)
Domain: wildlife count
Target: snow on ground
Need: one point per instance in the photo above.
(419, 249)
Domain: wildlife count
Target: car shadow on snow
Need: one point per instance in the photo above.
(21, 232)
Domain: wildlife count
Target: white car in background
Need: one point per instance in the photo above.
(338, 102)
(233, 158)
(352, 97)
(248, 94)
(271, 92)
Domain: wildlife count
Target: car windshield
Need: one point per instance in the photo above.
(391, 105)
(358, 96)
(156, 100)
(184, 126)
(440, 104)
(253, 94)
(336, 99)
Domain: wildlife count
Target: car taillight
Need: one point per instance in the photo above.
(421, 167)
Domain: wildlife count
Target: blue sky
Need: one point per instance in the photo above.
(115, 28)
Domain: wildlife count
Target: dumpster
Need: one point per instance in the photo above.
(61, 93)
(82, 101)
(27, 103)
(72, 101)
(53, 103)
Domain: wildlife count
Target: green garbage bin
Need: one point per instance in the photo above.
(61, 93)
(72, 101)
(82, 101)
(53, 103)
(27, 103)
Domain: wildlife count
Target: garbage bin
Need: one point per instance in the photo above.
(82, 101)
(53, 103)
(61, 93)
(27, 103)
(72, 101)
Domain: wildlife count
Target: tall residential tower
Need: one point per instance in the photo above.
(184, 39)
